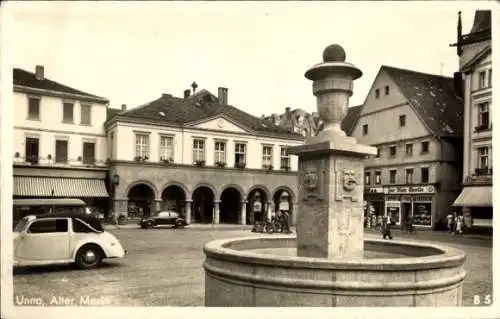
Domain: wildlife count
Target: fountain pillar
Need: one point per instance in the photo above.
(330, 224)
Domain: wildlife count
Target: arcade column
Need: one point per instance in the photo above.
(243, 213)
(189, 204)
(216, 218)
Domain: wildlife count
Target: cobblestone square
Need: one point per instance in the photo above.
(164, 268)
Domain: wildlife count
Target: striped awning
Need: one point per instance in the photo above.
(475, 196)
(59, 187)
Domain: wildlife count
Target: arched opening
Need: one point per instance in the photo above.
(230, 206)
(203, 205)
(283, 203)
(140, 201)
(173, 198)
(257, 206)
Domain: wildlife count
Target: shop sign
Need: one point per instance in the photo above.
(426, 189)
(375, 190)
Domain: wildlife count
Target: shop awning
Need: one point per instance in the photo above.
(475, 196)
(59, 187)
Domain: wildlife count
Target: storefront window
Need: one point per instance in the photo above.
(422, 214)
(393, 210)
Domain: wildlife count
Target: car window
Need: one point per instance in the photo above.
(173, 214)
(49, 226)
(163, 215)
(79, 227)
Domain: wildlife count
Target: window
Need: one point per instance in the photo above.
(367, 178)
(392, 151)
(484, 115)
(44, 226)
(377, 93)
(490, 71)
(79, 227)
(425, 147)
(387, 90)
(31, 151)
(378, 152)
(198, 150)
(112, 145)
(392, 176)
(220, 152)
(409, 149)
(409, 176)
(365, 129)
(85, 118)
(267, 156)
(402, 120)
(240, 153)
(61, 151)
(424, 174)
(68, 112)
(284, 158)
(34, 108)
(142, 146)
(482, 79)
(378, 177)
(166, 148)
(88, 153)
(482, 157)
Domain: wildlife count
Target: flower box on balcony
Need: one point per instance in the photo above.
(285, 168)
(240, 165)
(483, 171)
(199, 163)
(169, 160)
(480, 128)
(141, 158)
(220, 164)
(267, 167)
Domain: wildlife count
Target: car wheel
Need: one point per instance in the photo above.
(89, 256)
(149, 224)
(179, 224)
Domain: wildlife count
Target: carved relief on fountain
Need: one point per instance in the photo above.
(312, 180)
(347, 180)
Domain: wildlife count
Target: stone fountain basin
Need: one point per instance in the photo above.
(265, 271)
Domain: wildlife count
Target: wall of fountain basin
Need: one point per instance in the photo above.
(265, 271)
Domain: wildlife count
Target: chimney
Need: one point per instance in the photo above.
(222, 95)
(194, 85)
(187, 93)
(287, 110)
(124, 107)
(39, 72)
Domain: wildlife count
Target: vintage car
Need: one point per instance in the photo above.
(59, 238)
(163, 218)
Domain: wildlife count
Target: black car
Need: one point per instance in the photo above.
(163, 218)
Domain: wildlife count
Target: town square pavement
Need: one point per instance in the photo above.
(164, 268)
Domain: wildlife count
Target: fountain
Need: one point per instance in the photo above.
(330, 263)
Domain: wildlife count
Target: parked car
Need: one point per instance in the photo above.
(163, 218)
(59, 238)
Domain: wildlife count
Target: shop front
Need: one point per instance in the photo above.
(417, 202)
(374, 205)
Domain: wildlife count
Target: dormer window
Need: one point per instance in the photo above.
(365, 129)
(387, 90)
(482, 79)
(377, 93)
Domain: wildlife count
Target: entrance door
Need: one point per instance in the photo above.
(405, 213)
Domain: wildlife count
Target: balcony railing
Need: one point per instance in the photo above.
(483, 127)
(485, 171)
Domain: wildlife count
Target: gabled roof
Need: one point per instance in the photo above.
(112, 112)
(476, 59)
(28, 79)
(350, 119)
(170, 110)
(432, 98)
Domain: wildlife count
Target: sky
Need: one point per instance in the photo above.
(133, 52)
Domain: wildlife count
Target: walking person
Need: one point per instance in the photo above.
(460, 224)
(386, 227)
(449, 222)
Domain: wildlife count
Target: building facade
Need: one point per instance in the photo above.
(309, 124)
(415, 121)
(474, 84)
(201, 156)
(59, 141)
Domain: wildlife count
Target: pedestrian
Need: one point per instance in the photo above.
(286, 224)
(449, 221)
(460, 224)
(386, 227)
(409, 224)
